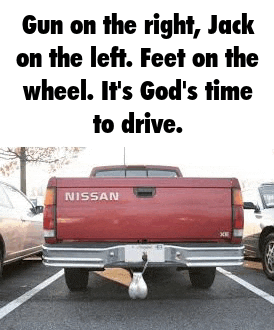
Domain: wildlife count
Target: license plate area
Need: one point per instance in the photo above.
(154, 252)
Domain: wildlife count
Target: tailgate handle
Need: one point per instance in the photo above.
(145, 192)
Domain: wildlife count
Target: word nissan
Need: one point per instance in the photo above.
(93, 196)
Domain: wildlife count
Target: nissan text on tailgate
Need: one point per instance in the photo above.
(136, 217)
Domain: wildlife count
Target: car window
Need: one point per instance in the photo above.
(136, 173)
(114, 173)
(160, 173)
(131, 173)
(267, 192)
(17, 199)
(4, 201)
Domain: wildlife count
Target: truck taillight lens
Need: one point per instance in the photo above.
(237, 215)
(50, 216)
(237, 198)
(50, 196)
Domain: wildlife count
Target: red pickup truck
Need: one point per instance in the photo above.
(142, 216)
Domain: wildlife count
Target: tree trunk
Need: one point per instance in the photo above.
(23, 176)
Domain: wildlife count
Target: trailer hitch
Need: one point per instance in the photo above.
(138, 288)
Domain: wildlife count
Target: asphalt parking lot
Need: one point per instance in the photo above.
(33, 296)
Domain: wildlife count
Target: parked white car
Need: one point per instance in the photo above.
(21, 226)
(258, 235)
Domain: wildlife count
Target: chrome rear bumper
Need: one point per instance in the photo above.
(158, 255)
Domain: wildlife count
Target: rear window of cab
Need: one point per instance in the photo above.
(136, 173)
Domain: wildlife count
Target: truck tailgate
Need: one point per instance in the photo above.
(177, 210)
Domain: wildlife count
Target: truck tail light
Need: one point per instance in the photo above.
(50, 215)
(237, 216)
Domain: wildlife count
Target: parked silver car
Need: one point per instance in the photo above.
(21, 226)
(258, 235)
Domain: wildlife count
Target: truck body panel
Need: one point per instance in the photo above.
(100, 222)
(117, 214)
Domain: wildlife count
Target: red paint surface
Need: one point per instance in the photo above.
(182, 210)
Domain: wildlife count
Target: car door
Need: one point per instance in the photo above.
(252, 223)
(32, 222)
(12, 228)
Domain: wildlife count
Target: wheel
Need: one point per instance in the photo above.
(202, 277)
(268, 256)
(1, 263)
(76, 278)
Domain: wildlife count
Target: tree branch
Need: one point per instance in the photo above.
(8, 154)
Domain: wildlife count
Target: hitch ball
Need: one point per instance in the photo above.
(138, 287)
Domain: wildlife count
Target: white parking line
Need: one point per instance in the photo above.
(28, 295)
(25, 297)
(247, 285)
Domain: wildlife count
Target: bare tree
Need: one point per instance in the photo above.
(54, 157)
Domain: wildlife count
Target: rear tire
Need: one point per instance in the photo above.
(76, 278)
(268, 256)
(1, 263)
(202, 278)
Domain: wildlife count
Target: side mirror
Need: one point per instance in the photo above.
(257, 209)
(249, 206)
(39, 209)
